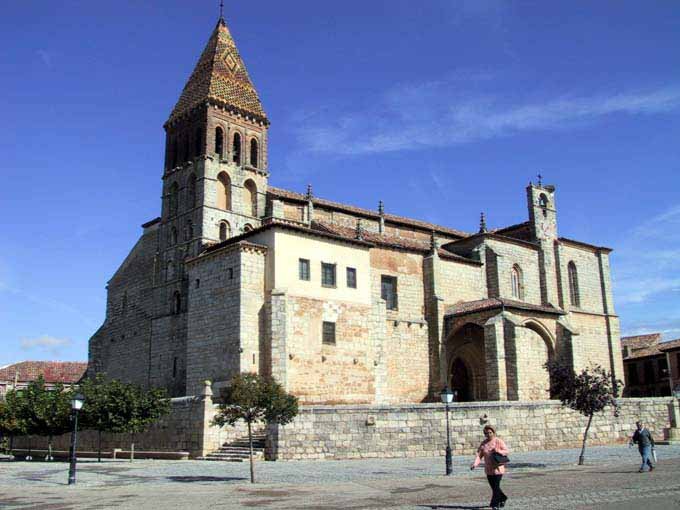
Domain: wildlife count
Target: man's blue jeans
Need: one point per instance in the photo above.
(646, 453)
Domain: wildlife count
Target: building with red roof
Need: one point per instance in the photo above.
(19, 375)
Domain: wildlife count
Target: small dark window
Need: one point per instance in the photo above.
(198, 283)
(351, 278)
(219, 140)
(329, 333)
(327, 275)
(236, 149)
(388, 291)
(303, 269)
(230, 273)
(176, 303)
(253, 152)
(574, 295)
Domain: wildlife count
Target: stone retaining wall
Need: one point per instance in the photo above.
(348, 432)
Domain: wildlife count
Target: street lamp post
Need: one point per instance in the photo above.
(447, 397)
(76, 404)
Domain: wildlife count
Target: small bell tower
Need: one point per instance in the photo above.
(543, 220)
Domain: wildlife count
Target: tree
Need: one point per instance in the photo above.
(136, 409)
(589, 392)
(253, 398)
(10, 425)
(98, 411)
(44, 412)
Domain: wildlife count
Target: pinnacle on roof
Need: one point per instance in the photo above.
(220, 77)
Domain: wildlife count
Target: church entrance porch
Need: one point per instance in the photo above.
(466, 363)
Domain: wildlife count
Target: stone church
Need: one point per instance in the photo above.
(340, 304)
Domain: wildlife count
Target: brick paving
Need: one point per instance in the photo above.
(537, 480)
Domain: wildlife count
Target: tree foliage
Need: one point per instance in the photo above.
(254, 398)
(10, 425)
(589, 392)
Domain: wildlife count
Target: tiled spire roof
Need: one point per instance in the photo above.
(220, 77)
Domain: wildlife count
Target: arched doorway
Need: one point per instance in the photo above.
(534, 349)
(460, 382)
(466, 363)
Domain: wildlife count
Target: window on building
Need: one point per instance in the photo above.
(173, 199)
(633, 374)
(198, 283)
(253, 152)
(236, 149)
(517, 283)
(219, 141)
(230, 273)
(225, 231)
(191, 191)
(573, 285)
(543, 202)
(327, 275)
(189, 231)
(328, 333)
(176, 303)
(250, 197)
(303, 269)
(388, 291)
(224, 191)
(351, 278)
(648, 368)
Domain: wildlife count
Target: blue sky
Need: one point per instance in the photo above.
(441, 109)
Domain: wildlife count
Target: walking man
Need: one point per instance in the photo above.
(643, 438)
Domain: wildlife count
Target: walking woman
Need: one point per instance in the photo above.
(494, 471)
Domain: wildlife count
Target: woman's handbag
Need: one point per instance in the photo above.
(654, 455)
(499, 458)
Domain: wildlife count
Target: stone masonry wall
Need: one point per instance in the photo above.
(419, 430)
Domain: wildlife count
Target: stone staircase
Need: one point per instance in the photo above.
(238, 450)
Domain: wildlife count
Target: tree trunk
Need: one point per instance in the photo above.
(132, 448)
(585, 438)
(250, 443)
(99, 446)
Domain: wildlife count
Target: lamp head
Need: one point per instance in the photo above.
(447, 396)
(77, 402)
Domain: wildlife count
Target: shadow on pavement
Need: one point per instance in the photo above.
(466, 507)
(198, 479)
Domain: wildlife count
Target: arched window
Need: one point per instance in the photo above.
(225, 231)
(574, 296)
(219, 141)
(169, 271)
(223, 191)
(250, 198)
(253, 152)
(176, 303)
(198, 142)
(173, 199)
(191, 191)
(543, 202)
(189, 231)
(173, 236)
(236, 149)
(517, 284)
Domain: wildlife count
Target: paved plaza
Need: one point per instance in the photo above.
(537, 480)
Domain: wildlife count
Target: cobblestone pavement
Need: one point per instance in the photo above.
(537, 480)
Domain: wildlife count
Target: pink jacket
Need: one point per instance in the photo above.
(485, 451)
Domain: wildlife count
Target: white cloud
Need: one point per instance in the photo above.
(437, 113)
(46, 343)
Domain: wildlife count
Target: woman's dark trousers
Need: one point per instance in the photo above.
(497, 497)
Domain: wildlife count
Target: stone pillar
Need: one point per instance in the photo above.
(674, 430)
(378, 333)
(279, 336)
(494, 348)
(204, 428)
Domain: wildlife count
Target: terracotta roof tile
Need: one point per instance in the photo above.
(298, 197)
(641, 346)
(220, 76)
(67, 372)
(670, 345)
(481, 305)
